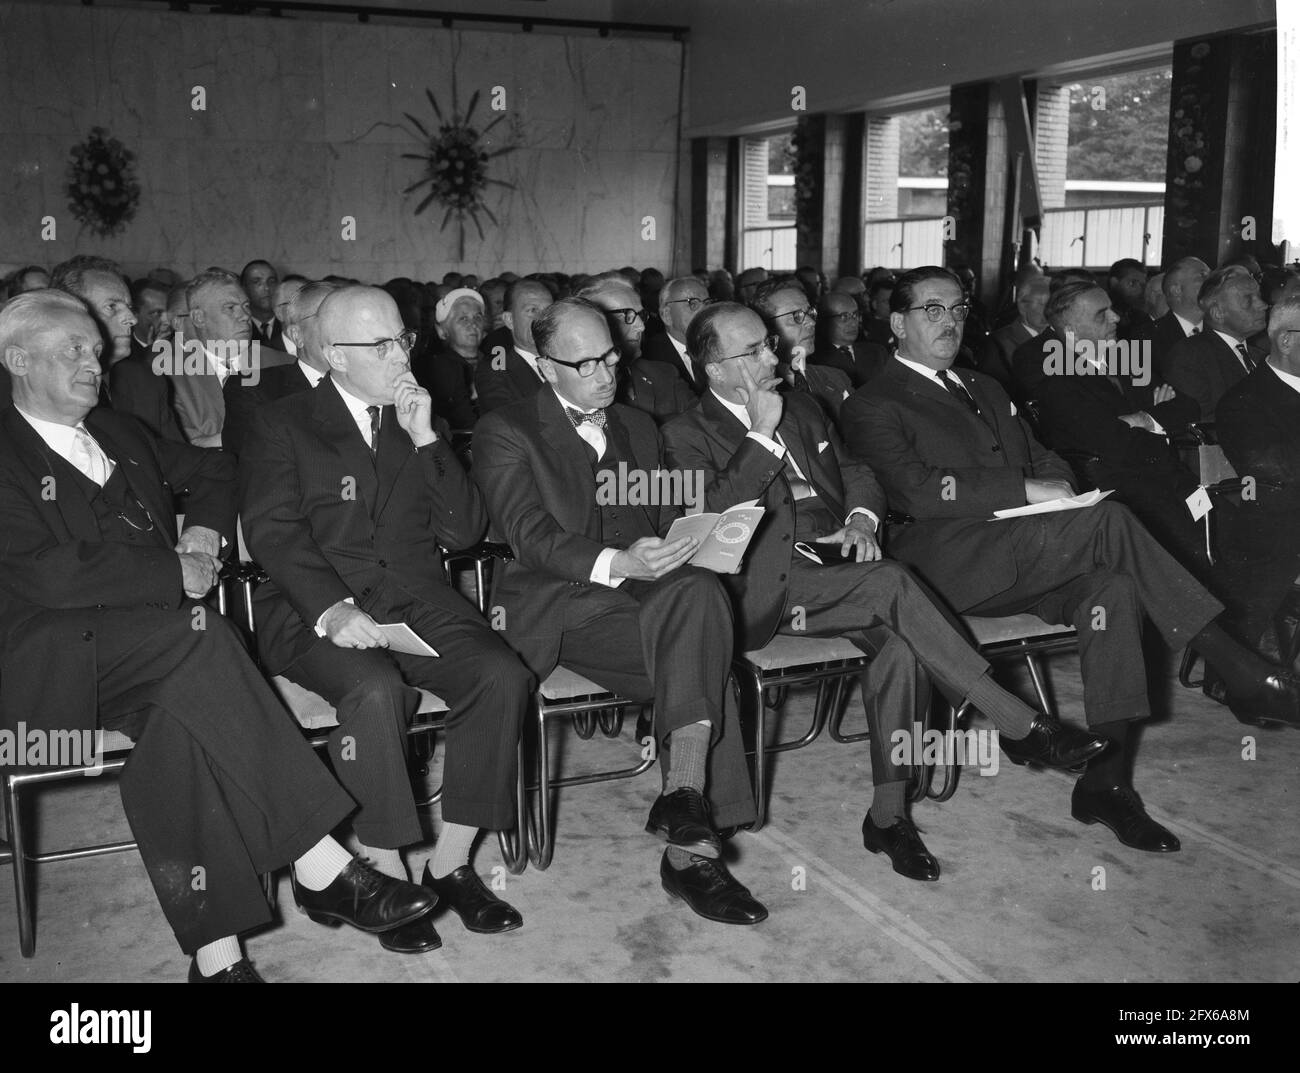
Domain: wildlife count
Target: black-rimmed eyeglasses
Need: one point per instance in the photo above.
(587, 366)
(384, 347)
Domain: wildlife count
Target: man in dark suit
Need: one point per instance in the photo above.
(793, 322)
(651, 386)
(1031, 301)
(507, 370)
(594, 586)
(950, 450)
(842, 349)
(1127, 282)
(139, 384)
(1115, 434)
(260, 281)
(245, 394)
(876, 328)
(346, 492)
(1206, 364)
(1180, 286)
(100, 627)
(679, 302)
(1259, 429)
(752, 443)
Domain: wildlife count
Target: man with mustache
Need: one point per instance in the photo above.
(950, 450)
(346, 493)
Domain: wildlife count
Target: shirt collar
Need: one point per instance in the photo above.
(739, 411)
(679, 347)
(356, 407)
(572, 405)
(1187, 326)
(314, 376)
(917, 367)
(1290, 379)
(1230, 340)
(57, 436)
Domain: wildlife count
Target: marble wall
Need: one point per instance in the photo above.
(304, 126)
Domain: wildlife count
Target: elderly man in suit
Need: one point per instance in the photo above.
(1180, 285)
(219, 321)
(1031, 302)
(751, 442)
(346, 492)
(508, 370)
(1259, 429)
(841, 321)
(245, 394)
(1206, 364)
(652, 386)
(680, 301)
(1116, 434)
(950, 450)
(100, 627)
(793, 322)
(596, 587)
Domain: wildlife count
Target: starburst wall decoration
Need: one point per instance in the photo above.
(456, 165)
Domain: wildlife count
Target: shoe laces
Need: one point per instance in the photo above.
(367, 878)
(242, 973)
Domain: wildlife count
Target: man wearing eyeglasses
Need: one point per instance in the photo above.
(950, 450)
(784, 308)
(595, 587)
(346, 493)
(752, 442)
(652, 386)
(679, 302)
(841, 321)
(101, 628)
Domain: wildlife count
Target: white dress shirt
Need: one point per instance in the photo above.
(1189, 329)
(681, 351)
(359, 411)
(1290, 379)
(1234, 343)
(75, 445)
(314, 376)
(531, 359)
(778, 448)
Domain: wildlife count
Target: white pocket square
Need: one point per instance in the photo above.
(823, 445)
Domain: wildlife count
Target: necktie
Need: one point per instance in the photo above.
(87, 457)
(374, 413)
(958, 390)
(1246, 359)
(1196, 329)
(800, 487)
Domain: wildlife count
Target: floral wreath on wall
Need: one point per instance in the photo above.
(103, 192)
(806, 162)
(1187, 139)
(456, 165)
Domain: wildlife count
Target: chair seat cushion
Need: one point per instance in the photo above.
(313, 713)
(562, 683)
(115, 741)
(783, 652)
(991, 631)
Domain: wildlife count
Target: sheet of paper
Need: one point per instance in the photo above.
(401, 638)
(1086, 499)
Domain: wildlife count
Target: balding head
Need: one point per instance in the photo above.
(302, 325)
(526, 300)
(573, 338)
(841, 318)
(680, 302)
(362, 339)
(1284, 335)
(1181, 285)
(623, 312)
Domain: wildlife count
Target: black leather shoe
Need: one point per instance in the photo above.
(1120, 809)
(711, 891)
(478, 908)
(417, 937)
(241, 972)
(682, 817)
(1051, 744)
(902, 841)
(726, 834)
(1278, 703)
(364, 898)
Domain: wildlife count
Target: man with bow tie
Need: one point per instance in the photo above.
(594, 586)
(346, 493)
(750, 442)
(100, 627)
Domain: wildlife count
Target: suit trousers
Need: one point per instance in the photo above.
(891, 615)
(1101, 571)
(668, 641)
(482, 681)
(220, 786)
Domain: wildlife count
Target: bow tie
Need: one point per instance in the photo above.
(596, 417)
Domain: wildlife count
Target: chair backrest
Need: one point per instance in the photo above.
(1214, 464)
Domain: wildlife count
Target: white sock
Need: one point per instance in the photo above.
(452, 851)
(319, 866)
(217, 956)
(387, 861)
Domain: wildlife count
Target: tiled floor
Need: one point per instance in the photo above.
(1017, 899)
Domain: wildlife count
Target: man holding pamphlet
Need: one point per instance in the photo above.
(346, 492)
(596, 586)
(815, 568)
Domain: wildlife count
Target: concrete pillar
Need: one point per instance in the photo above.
(1052, 142)
(711, 208)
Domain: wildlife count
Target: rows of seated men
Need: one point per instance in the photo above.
(324, 415)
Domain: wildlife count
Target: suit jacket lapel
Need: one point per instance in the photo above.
(796, 437)
(395, 450)
(147, 486)
(335, 425)
(563, 440)
(67, 502)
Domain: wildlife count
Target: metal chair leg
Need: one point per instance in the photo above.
(542, 833)
(514, 842)
(752, 693)
(1040, 686)
(1185, 667)
(951, 772)
(22, 876)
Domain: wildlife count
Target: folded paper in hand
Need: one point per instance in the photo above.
(401, 638)
(723, 537)
(1086, 499)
